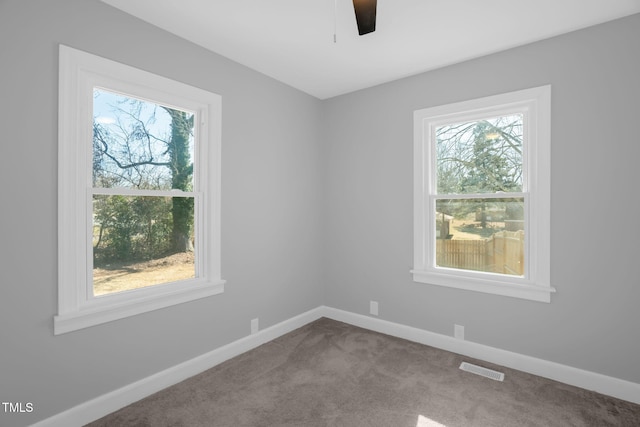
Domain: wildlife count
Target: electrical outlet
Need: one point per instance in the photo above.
(458, 332)
(254, 325)
(373, 307)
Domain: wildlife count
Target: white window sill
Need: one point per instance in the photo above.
(107, 309)
(515, 287)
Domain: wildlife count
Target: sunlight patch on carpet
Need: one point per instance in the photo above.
(427, 422)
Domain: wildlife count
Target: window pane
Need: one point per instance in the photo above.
(140, 144)
(141, 241)
(481, 234)
(483, 156)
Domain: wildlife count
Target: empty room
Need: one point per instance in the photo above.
(320, 213)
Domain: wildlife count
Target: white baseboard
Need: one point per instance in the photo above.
(610, 386)
(110, 402)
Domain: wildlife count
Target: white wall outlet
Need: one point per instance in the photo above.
(255, 326)
(373, 307)
(458, 332)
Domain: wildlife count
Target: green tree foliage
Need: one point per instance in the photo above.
(181, 178)
(489, 170)
(131, 228)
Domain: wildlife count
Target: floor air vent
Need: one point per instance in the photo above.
(479, 370)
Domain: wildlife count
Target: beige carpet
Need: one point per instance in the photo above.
(329, 373)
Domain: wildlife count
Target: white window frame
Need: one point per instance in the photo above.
(80, 72)
(535, 105)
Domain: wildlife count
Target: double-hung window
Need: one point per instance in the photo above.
(139, 192)
(481, 195)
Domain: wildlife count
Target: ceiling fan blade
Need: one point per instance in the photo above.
(365, 15)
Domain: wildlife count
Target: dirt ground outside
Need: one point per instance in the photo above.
(470, 229)
(117, 277)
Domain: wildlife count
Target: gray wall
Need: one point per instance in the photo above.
(592, 321)
(270, 214)
(317, 205)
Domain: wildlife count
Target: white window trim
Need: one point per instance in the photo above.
(80, 72)
(535, 103)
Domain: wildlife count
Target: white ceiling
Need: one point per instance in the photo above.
(292, 40)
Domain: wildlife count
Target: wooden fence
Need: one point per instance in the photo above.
(501, 253)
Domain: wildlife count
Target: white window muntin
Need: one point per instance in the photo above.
(80, 73)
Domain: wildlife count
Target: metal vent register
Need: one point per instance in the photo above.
(484, 372)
